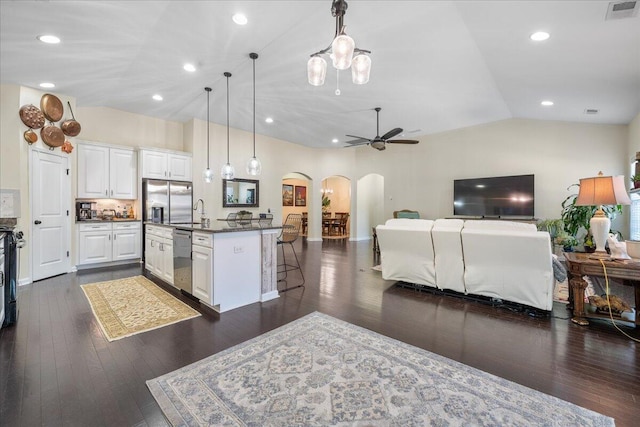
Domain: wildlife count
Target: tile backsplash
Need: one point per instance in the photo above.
(119, 206)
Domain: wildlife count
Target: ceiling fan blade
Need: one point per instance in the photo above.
(355, 144)
(392, 133)
(403, 141)
(357, 139)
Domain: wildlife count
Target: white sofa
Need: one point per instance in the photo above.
(506, 260)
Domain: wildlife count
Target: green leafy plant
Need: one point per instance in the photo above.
(566, 240)
(326, 203)
(636, 181)
(552, 226)
(576, 218)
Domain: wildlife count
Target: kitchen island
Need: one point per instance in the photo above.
(232, 265)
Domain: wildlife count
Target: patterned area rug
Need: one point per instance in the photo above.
(126, 307)
(320, 371)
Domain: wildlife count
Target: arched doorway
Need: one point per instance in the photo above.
(336, 207)
(296, 197)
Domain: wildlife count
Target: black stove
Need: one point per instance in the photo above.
(11, 241)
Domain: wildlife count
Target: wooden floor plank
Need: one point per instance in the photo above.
(56, 367)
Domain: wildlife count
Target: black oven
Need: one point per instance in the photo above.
(11, 242)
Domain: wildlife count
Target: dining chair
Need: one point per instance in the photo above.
(289, 234)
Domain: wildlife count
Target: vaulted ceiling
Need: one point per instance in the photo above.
(437, 65)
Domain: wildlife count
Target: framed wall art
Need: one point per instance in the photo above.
(287, 195)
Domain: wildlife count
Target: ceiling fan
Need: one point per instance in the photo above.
(379, 142)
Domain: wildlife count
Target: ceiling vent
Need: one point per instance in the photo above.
(591, 111)
(622, 9)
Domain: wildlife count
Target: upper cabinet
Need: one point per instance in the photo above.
(165, 165)
(106, 172)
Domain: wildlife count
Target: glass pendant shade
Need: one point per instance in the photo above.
(342, 49)
(227, 171)
(254, 167)
(360, 69)
(207, 175)
(316, 70)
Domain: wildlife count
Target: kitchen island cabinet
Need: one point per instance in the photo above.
(231, 266)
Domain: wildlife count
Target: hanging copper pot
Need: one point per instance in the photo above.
(30, 136)
(52, 136)
(31, 116)
(70, 127)
(51, 107)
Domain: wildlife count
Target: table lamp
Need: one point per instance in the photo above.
(597, 191)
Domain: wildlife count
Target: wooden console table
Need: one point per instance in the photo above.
(579, 264)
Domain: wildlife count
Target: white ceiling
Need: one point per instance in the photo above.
(437, 65)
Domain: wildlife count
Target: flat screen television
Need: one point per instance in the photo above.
(500, 196)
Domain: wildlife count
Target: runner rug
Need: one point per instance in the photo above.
(320, 371)
(129, 306)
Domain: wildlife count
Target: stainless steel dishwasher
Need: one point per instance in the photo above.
(182, 259)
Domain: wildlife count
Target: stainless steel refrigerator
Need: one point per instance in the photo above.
(167, 202)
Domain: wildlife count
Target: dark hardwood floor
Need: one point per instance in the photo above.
(56, 368)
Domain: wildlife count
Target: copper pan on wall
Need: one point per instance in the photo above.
(52, 136)
(51, 107)
(31, 116)
(71, 127)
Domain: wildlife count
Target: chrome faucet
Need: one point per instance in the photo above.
(195, 207)
(203, 220)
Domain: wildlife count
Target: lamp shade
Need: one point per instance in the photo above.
(227, 171)
(602, 190)
(254, 167)
(316, 70)
(342, 51)
(360, 69)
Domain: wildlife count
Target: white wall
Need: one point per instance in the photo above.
(420, 177)
(370, 199)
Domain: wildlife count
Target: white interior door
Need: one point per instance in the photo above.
(50, 187)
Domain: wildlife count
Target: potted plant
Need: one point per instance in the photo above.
(566, 240)
(326, 203)
(636, 181)
(589, 244)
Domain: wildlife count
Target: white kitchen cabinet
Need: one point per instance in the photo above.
(95, 247)
(126, 241)
(106, 172)
(159, 252)
(107, 242)
(202, 267)
(165, 165)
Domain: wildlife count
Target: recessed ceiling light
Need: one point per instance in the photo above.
(47, 85)
(268, 120)
(189, 67)
(547, 103)
(48, 38)
(240, 19)
(334, 140)
(157, 97)
(539, 36)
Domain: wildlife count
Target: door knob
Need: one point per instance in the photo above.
(37, 222)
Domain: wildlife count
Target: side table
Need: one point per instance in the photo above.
(580, 264)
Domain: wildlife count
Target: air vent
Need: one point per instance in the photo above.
(591, 111)
(622, 9)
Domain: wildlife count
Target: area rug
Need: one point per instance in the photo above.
(129, 306)
(320, 371)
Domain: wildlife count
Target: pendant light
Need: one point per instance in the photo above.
(253, 165)
(227, 171)
(208, 173)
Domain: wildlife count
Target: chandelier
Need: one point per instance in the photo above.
(342, 51)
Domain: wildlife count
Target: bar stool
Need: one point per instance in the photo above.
(290, 232)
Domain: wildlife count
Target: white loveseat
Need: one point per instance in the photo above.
(506, 260)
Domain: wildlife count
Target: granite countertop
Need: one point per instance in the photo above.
(219, 226)
(107, 220)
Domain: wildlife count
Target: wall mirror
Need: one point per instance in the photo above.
(240, 193)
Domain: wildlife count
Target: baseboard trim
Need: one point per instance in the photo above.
(269, 296)
(358, 239)
(107, 264)
(314, 239)
(24, 281)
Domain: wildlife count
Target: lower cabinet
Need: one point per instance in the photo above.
(158, 254)
(202, 267)
(107, 242)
